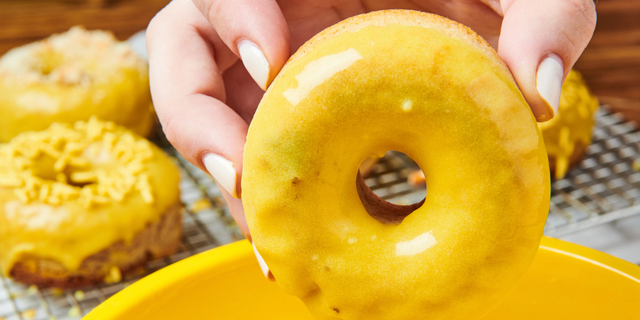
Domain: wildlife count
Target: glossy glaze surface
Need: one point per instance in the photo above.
(412, 82)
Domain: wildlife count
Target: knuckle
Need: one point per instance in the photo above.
(584, 9)
(578, 23)
(170, 130)
(213, 9)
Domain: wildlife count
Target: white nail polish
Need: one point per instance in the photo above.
(255, 62)
(222, 171)
(549, 80)
(263, 265)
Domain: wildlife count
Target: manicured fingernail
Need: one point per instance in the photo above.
(549, 82)
(263, 265)
(256, 63)
(223, 172)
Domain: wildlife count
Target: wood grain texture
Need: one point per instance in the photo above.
(630, 108)
(24, 21)
(611, 62)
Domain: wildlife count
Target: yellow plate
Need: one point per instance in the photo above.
(566, 281)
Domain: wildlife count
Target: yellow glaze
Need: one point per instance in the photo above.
(70, 77)
(572, 125)
(69, 192)
(431, 89)
(565, 281)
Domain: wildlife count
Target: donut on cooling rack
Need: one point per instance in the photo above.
(568, 134)
(434, 90)
(80, 203)
(70, 77)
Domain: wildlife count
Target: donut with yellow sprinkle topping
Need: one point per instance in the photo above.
(79, 201)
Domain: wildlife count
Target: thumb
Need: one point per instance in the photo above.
(540, 41)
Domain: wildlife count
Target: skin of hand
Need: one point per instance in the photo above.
(210, 61)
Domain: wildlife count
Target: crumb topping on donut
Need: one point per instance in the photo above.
(76, 57)
(93, 162)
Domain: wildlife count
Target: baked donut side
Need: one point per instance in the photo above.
(71, 77)
(69, 194)
(158, 239)
(432, 89)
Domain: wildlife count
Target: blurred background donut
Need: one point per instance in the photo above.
(70, 77)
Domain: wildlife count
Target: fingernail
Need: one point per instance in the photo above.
(255, 62)
(222, 171)
(263, 265)
(549, 82)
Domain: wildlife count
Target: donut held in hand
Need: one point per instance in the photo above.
(431, 88)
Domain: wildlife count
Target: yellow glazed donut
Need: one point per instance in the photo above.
(431, 88)
(70, 77)
(79, 203)
(568, 134)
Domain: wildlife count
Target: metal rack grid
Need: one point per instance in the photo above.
(604, 187)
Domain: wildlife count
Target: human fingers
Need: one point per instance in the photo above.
(188, 93)
(540, 41)
(255, 30)
(237, 212)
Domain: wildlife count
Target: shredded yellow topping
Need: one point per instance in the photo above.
(200, 205)
(572, 124)
(74, 312)
(114, 275)
(79, 295)
(29, 314)
(93, 162)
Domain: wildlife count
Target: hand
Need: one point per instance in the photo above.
(205, 97)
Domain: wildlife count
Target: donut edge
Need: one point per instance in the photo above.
(157, 240)
(406, 18)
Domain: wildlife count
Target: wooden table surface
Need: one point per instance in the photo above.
(610, 64)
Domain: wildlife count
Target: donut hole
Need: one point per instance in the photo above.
(43, 168)
(47, 62)
(79, 184)
(388, 177)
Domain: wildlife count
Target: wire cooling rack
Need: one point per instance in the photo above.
(604, 187)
